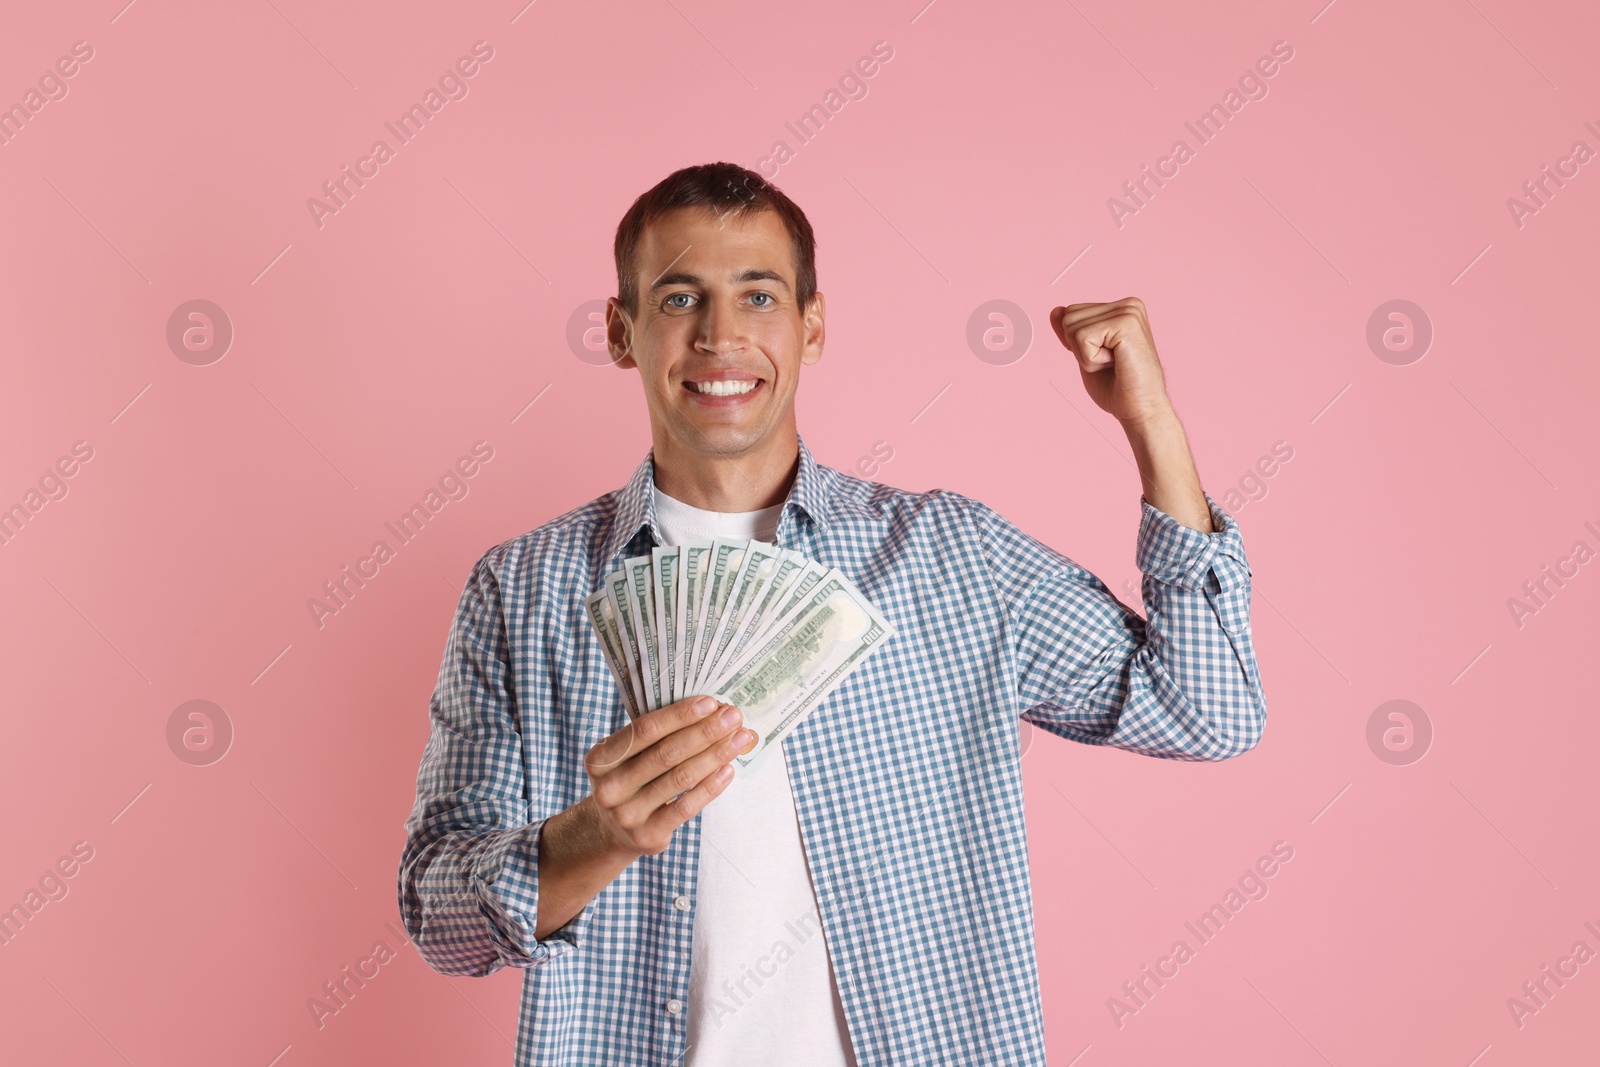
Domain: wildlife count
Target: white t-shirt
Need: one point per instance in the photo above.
(761, 988)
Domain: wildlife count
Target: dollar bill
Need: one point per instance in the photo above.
(641, 605)
(726, 555)
(695, 562)
(603, 618)
(616, 586)
(664, 582)
(751, 623)
(754, 572)
(785, 576)
(781, 680)
(795, 599)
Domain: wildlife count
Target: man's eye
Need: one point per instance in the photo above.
(674, 296)
(762, 296)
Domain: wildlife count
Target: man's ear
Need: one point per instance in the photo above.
(619, 333)
(816, 332)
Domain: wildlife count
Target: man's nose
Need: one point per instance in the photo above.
(721, 329)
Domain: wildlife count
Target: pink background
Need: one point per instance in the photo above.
(432, 310)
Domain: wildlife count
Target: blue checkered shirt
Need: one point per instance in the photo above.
(907, 782)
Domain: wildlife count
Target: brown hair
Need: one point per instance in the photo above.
(724, 188)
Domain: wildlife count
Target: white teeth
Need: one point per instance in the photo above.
(723, 388)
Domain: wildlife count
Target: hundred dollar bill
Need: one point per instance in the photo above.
(616, 586)
(598, 608)
(791, 601)
(780, 681)
(754, 572)
(726, 555)
(664, 577)
(641, 603)
(785, 572)
(694, 564)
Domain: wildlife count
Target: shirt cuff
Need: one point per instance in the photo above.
(508, 891)
(1181, 556)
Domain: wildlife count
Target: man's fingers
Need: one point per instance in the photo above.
(1085, 329)
(611, 751)
(676, 748)
(1084, 342)
(645, 731)
(1079, 312)
(674, 814)
(655, 773)
(681, 776)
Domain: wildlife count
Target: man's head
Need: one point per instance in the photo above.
(716, 283)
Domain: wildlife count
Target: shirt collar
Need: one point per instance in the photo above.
(636, 504)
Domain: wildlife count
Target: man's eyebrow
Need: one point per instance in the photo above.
(750, 274)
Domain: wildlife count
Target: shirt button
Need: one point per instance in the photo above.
(681, 903)
(675, 1006)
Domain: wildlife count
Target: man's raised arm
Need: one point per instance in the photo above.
(1184, 684)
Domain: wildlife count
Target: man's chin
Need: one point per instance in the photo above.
(721, 439)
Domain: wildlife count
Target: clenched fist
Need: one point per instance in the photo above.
(1116, 357)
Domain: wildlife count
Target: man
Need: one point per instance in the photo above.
(864, 899)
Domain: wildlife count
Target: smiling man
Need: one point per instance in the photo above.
(864, 899)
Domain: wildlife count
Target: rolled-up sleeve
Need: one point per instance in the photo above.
(469, 873)
(1181, 683)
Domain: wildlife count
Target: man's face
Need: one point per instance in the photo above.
(718, 337)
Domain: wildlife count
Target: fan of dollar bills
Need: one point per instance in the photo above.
(749, 623)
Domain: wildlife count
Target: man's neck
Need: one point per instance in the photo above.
(755, 479)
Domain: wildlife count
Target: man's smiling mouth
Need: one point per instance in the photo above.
(727, 386)
(735, 387)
